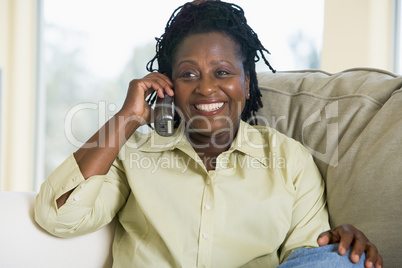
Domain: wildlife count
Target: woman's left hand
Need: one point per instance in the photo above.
(347, 235)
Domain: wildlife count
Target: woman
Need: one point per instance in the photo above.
(219, 192)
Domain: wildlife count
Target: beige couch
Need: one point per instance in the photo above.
(350, 121)
(24, 244)
(352, 124)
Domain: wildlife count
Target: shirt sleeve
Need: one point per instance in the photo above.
(309, 215)
(93, 203)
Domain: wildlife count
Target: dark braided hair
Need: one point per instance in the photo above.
(209, 16)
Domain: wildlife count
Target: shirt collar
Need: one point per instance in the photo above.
(157, 143)
(250, 140)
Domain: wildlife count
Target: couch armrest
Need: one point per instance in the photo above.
(24, 244)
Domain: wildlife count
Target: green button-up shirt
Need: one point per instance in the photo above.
(264, 199)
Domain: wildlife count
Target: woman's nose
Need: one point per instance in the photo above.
(207, 86)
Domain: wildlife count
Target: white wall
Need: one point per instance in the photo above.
(17, 62)
(358, 33)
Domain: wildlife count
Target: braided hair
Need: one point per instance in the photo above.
(209, 16)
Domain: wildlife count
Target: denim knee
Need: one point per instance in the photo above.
(326, 256)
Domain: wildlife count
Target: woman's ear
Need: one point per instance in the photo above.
(247, 82)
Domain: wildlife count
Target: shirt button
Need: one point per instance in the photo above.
(205, 235)
(207, 207)
(208, 181)
(82, 185)
(76, 197)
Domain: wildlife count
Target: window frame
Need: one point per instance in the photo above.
(398, 37)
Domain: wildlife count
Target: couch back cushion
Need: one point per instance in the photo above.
(351, 122)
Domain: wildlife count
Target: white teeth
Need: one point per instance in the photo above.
(209, 107)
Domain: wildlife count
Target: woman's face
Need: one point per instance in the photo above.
(209, 83)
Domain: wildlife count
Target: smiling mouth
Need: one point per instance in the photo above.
(209, 107)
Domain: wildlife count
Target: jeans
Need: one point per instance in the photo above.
(326, 256)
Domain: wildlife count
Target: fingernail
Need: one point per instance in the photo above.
(356, 258)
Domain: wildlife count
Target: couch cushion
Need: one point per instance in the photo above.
(24, 244)
(352, 123)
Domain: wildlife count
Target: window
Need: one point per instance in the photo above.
(91, 50)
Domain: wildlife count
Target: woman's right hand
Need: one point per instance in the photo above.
(135, 104)
(96, 156)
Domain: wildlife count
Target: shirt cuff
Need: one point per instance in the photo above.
(67, 177)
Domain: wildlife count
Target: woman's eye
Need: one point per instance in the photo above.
(188, 75)
(222, 72)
